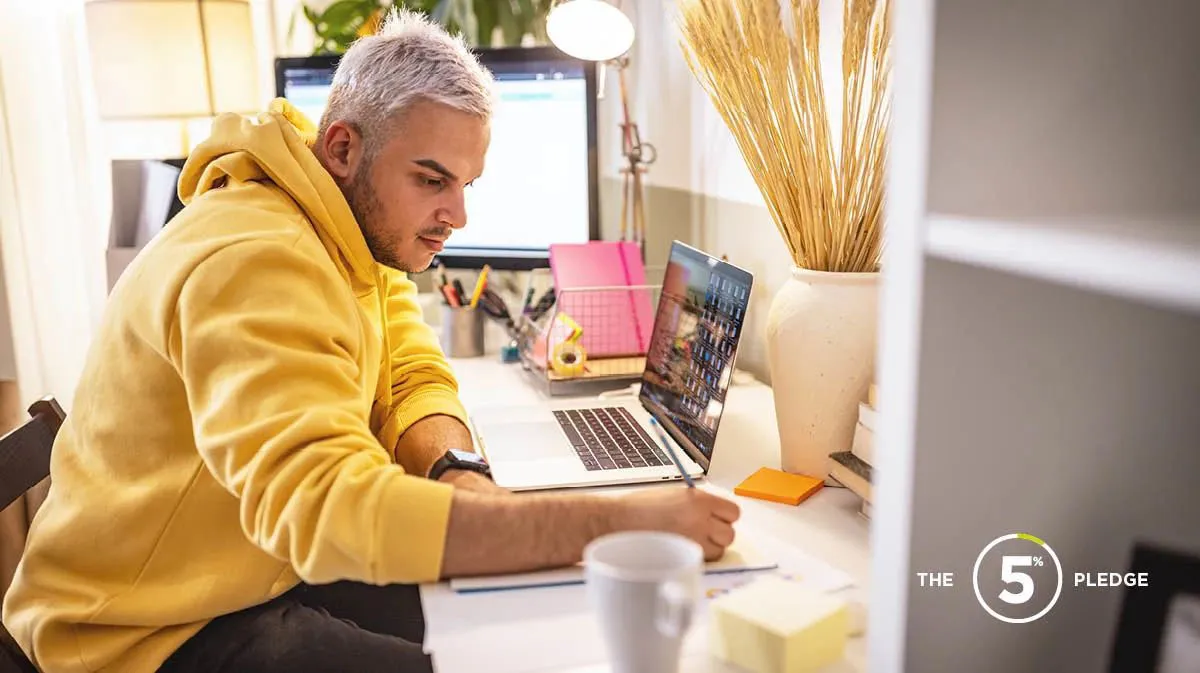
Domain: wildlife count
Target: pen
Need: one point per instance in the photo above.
(459, 291)
(451, 298)
(441, 274)
(662, 438)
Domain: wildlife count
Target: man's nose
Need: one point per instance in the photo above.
(456, 211)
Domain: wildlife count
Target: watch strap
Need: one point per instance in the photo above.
(448, 461)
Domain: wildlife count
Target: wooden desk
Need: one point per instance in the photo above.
(551, 629)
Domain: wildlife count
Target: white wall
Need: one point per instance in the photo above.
(280, 13)
(675, 114)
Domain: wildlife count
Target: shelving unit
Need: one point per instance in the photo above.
(1151, 261)
(1040, 336)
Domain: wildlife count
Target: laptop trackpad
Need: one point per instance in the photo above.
(527, 441)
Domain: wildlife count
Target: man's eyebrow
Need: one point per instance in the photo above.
(436, 167)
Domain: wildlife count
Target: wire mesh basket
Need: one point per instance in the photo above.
(594, 335)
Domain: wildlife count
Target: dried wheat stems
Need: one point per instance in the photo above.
(760, 63)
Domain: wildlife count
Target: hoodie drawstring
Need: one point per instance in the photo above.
(385, 379)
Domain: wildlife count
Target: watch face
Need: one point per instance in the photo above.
(467, 457)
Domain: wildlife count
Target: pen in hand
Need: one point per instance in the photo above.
(662, 438)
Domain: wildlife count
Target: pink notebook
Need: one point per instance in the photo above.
(615, 323)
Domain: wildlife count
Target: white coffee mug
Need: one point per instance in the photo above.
(644, 587)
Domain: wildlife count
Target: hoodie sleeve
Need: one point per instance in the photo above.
(268, 345)
(422, 382)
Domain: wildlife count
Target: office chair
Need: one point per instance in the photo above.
(24, 462)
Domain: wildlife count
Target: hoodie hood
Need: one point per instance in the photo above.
(277, 147)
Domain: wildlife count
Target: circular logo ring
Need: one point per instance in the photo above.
(979, 595)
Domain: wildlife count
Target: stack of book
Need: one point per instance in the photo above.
(852, 468)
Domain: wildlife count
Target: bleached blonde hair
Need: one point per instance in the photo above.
(408, 60)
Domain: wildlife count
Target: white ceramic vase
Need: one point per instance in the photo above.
(821, 335)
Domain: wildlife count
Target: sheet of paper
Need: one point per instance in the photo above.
(494, 630)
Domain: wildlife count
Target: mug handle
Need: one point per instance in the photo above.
(674, 607)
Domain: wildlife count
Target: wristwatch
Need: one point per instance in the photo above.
(454, 459)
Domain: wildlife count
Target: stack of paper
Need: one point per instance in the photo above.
(739, 557)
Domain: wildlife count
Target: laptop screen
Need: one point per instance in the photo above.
(696, 332)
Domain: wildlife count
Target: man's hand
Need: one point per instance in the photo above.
(471, 481)
(490, 533)
(693, 513)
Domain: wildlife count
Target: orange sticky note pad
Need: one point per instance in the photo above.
(777, 486)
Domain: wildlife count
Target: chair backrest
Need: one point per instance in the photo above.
(25, 461)
(25, 452)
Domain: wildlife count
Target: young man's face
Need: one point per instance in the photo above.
(410, 198)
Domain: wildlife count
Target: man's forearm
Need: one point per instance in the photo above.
(428, 439)
(539, 531)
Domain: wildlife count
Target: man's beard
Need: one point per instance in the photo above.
(368, 209)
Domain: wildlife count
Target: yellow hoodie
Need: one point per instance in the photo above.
(234, 428)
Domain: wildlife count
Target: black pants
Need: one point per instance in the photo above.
(345, 626)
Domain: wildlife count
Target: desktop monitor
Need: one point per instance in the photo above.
(539, 184)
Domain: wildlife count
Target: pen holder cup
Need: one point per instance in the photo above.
(462, 332)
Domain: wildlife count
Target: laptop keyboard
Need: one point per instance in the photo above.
(608, 438)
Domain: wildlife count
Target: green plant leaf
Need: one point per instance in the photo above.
(344, 17)
(312, 16)
(465, 10)
(485, 17)
(425, 7)
(527, 13)
(510, 24)
(537, 27)
(442, 12)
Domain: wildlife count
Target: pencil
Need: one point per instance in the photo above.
(662, 438)
(479, 285)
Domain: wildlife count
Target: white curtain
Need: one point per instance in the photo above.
(55, 195)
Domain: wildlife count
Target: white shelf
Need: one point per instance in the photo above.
(1155, 262)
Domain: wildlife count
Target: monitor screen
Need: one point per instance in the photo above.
(701, 313)
(306, 85)
(539, 181)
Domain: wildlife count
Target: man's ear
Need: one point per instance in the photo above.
(342, 148)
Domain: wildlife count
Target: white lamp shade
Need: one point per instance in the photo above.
(162, 59)
(592, 30)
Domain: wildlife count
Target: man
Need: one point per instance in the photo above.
(253, 474)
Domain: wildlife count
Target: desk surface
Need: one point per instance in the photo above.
(551, 629)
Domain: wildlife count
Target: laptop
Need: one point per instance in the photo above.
(689, 365)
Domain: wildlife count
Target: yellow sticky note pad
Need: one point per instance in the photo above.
(778, 486)
(773, 625)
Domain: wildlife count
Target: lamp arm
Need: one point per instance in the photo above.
(633, 148)
(626, 127)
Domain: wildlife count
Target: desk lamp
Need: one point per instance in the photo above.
(164, 68)
(594, 30)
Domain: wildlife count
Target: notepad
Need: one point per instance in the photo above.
(739, 557)
(615, 323)
(778, 486)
